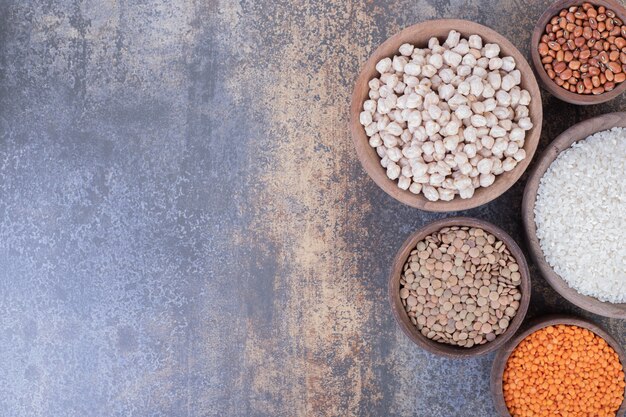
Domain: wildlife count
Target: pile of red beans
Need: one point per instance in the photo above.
(583, 49)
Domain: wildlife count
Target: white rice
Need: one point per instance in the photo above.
(580, 215)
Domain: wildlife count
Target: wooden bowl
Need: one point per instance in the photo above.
(564, 141)
(403, 319)
(550, 85)
(418, 35)
(499, 363)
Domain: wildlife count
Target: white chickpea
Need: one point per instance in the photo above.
(452, 58)
(385, 91)
(451, 142)
(462, 48)
(494, 79)
(384, 65)
(491, 50)
(521, 112)
(497, 132)
(508, 164)
(508, 63)
(406, 49)
(411, 151)
(508, 82)
(440, 149)
(470, 150)
(469, 60)
(404, 182)
(470, 134)
(365, 117)
(488, 91)
(480, 72)
(374, 84)
(371, 129)
(475, 41)
(482, 131)
(495, 64)
(503, 98)
(478, 120)
(476, 86)
(486, 179)
(484, 166)
(520, 154)
(525, 123)
(428, 70)
(516, 95)
(394, 128)
(511, 149)
(464, 88)
(415, 188)
(412, 69)
(436, 60)
(436, 179)
(467, 192)
(487, 142)
(445, 194)
(453, 39)
(524, 98)
(419, 168)
(393, 171)
(475, 53)
(446, 91)
(394, 154)
(430, 193)
(463, 112)
(478, 107)
(462, 181)
(390, 141)
(421, 179)
(369, 106)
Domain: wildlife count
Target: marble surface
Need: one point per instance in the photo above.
(185, 229)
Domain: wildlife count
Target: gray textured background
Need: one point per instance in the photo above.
(185, 229)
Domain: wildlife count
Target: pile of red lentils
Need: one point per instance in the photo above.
(563, 370)
(583, 49)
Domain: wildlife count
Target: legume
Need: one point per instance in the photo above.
(563, 370)
(583, 49)
(460, 286)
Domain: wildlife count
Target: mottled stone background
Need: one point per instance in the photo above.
(185, 229)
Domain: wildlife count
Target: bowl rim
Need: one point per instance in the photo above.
(401, 318)
(502, 356)
(546, 82)
(367, 155)
(575, 133)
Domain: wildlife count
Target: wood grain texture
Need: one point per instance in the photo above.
(564, 141)
(403, 319)
(418, 35)
(499, 363)
(546, 82)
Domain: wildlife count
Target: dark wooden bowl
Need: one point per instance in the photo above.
(564, 141)
(499, 363)
(550, 85)
(403, 319)
(418, 35)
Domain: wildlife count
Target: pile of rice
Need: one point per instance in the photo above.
(580, 215)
